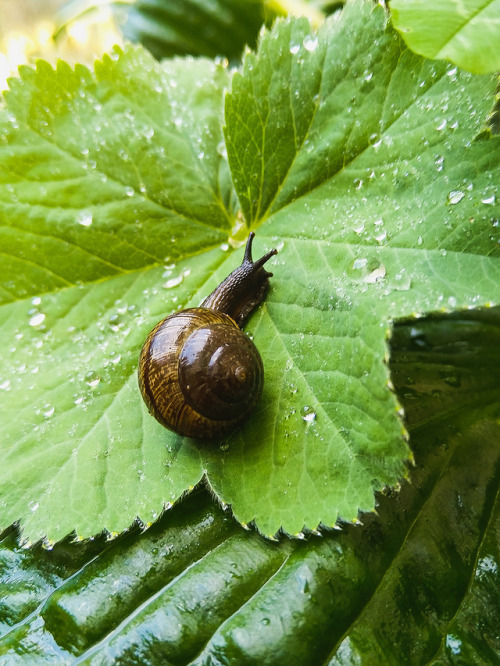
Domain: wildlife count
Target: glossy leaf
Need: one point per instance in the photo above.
(104, 184)
(369, 168)
(466, 33)
(417, 582)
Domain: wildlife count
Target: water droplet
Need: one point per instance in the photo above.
(439, 162)
(129, 191)
(359, 263)
(37, 319)
(453, 643)
(308, 414)
(92, 379)
(487, 565)
(114, 322)
(402, 281)
(489, 200)
(453, 380)
(115, 358)
(294, 48)
(310, 43)
(84, 218)
(121, 307)
(455, 196)
(375, 275)
(5, 386)
(173, 282)
(48, 410)
(442, 125)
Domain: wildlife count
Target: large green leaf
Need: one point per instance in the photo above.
(467, 33)
(363, 163)
(417, 583)
(108, 181)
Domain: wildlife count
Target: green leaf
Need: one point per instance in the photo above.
(415, 583)
(370, 169)
(467, 34)
(107, 181)
(181, 27)
(361, 157)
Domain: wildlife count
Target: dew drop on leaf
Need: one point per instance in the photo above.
(48, 410)
(359, 263)
(37, 319)
(310, 43)
(439, 162)
(375, 275)
(115, 358)
(92, 379)
(84, 218)
(173, 282)
(453, 644)
(402, 281)
(455, 196)
(308, 414)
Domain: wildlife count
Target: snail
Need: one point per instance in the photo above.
(200, 375)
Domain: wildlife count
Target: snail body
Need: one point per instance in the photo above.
(200, 375)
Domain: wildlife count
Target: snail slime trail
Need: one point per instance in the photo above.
(199, 374)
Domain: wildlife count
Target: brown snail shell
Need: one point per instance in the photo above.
(200, 375)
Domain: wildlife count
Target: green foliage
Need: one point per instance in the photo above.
(375, 173)
(361, 161)
(467, 33)
(197, 27)
(416, 583)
